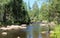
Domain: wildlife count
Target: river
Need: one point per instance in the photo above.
(34, 31)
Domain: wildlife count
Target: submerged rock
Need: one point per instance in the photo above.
(4, 33)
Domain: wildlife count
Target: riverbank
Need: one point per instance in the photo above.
(13, 31)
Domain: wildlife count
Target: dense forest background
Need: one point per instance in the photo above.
(16, 12)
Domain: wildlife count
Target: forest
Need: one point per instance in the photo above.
(16, 12)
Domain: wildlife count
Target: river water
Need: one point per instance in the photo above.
(34, 31)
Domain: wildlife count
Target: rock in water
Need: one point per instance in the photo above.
(4, 33)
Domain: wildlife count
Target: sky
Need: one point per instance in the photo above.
(31, 2)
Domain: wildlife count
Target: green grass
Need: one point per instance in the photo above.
(56, 33)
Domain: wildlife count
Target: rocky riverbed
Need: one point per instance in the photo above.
(13, 31)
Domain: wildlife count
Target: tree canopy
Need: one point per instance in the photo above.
(14, 12)
(17, 12)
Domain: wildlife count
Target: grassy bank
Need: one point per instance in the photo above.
(56, 31)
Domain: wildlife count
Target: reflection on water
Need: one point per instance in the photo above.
(29, 32)
(32, 31)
